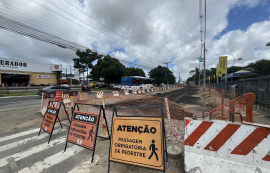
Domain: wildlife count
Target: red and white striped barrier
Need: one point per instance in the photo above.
(66, 98)
(115, 93)
(54, 104)
(220, 146)
(99, 94)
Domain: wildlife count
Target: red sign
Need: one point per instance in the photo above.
(49, 119)
(83, 129)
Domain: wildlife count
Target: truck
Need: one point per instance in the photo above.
(98, 84)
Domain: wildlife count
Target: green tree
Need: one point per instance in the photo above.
(260, 67)
(108, 68)
(160, 73)
(131, 71)
(85, 60)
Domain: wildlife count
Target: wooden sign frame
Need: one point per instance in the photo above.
(163, 138)
(56, 118)
(96, 124)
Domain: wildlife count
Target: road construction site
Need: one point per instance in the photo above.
(21, 149)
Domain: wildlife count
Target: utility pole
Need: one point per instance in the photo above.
(167, 72)
(199, 74)
(179, 78)
(70, 79)
(204, 77)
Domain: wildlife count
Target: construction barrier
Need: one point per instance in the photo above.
(58, 96)
(66, 98)
(222, 146)
(115, 93)
(99, 94)
(126, 92)
(242, 105)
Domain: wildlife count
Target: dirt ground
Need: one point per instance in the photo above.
(200, 100)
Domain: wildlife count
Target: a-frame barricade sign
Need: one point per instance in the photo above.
(83, 130)
(138, 140)
(50, 118)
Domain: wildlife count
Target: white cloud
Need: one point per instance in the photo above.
(152, 32)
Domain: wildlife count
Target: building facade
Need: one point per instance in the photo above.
(21, 73)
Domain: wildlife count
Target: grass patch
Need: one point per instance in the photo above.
(17, 93)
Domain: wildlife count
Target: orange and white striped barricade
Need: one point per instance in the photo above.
(222, 146)
(126, 92)
(99, 94)
(58, 96)
(115, 93)
(55, 104)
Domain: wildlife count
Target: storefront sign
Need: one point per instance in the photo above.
(49, 119)
(22, 66)
(83, 129)
(12, 63)
(56, 67)
(43, 76)
(138, 141)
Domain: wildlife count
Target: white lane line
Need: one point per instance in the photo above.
(28, 140)
(18, 135)
(19, 108)
(86, 166)
(52, 160)
(33, 150)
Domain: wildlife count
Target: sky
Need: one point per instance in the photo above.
(141, 33)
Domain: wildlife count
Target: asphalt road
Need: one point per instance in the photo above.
(11, 103)
(183, 96)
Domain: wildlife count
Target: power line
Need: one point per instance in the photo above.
(104, 25)
(109, 37)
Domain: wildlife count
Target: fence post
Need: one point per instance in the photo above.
(249, 108)
(222, 102)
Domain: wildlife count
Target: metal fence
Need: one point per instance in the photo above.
(259, 85)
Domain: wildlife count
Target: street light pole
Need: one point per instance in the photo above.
(231, 66)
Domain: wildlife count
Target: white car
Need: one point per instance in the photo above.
(117, 87)
(65, 85)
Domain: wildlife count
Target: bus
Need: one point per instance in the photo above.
(136, 82)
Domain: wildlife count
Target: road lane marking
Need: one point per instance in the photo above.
(53, 160)
(33, 150)
(19, 108)
(19, 134)
(86, 166)
(28, 140)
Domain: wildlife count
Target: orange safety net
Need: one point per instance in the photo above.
(240, 106)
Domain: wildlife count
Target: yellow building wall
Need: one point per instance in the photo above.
(33, 77)
(36, 81)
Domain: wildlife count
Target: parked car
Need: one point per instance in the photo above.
(65, 85)
(51, 91)
(117, 87)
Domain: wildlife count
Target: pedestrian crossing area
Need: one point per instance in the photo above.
(26, 152)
